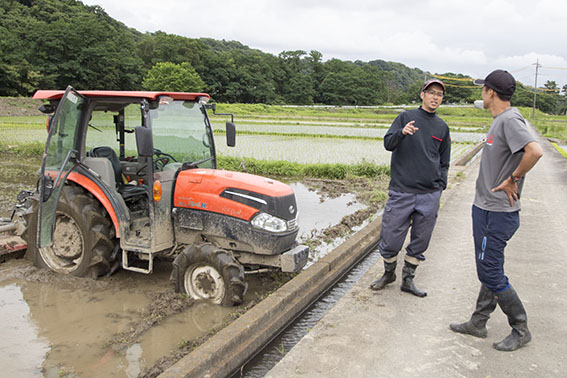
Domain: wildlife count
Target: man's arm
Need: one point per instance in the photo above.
(532, 153)
(445, 158)
(397, 132)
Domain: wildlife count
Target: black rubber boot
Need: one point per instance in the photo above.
(476, 326)
(512, 306)
(388, 277)
(408, 273)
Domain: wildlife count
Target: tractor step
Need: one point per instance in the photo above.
(137, 261)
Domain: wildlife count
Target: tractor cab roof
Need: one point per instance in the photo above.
(57, 94)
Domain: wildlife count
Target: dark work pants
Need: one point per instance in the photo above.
(491, 232)
(401, 211)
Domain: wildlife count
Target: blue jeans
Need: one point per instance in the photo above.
(491, 232)
(401, 211)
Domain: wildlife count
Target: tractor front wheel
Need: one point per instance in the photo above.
(207, 272)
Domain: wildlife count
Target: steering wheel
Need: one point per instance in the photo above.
(162, 159)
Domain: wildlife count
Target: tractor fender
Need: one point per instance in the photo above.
(96, 191)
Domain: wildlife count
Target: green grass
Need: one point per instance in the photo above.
(286, 169)
(25, 120)
(34, 148)
(552, 128)
(561, 150)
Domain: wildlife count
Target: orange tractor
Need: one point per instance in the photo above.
(130, 176)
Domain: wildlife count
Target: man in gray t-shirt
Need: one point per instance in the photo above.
(509, 152)
(502, 153)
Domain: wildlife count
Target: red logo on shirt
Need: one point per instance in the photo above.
(490, 140)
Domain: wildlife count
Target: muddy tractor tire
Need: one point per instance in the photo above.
(84, 243)
(206, 272)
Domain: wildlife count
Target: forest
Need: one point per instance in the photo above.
(50, 44)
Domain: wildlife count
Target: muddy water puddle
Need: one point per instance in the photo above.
(318, 211)
(63, 326)
(60, 326)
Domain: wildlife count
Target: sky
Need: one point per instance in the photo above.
(459, 36)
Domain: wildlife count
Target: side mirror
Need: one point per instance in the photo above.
(144, 141)
(230, 134)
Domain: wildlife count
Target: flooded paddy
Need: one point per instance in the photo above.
(325, 150)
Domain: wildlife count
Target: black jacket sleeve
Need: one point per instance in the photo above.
(394, 136)
(445, 158)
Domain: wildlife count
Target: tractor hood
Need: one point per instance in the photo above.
(235, 194)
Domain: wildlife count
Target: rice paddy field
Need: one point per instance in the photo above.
(322, 139)
(305, 135)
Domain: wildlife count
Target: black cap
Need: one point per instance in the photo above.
(434, 81)
(501, 81)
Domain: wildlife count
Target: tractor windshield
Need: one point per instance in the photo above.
(181, 129)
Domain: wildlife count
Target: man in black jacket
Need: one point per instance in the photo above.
(421, 150)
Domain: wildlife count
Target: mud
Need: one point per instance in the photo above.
(122, 326)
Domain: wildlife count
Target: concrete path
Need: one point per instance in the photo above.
(394, 334)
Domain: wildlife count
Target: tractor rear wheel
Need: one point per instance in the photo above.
(207, 272)
(83, 241)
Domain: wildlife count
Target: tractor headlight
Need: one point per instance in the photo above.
(268, 222)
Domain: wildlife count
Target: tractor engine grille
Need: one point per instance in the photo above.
(283, 207)
(292, 224)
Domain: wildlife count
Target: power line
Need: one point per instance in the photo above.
(463, 86)
(521, 69)
(452, 78)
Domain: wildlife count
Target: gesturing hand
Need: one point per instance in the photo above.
(409, 128)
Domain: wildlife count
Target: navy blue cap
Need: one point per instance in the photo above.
(501, 81)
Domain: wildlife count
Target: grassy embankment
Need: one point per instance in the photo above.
(550, 126)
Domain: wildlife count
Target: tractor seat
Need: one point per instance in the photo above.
(126, 191)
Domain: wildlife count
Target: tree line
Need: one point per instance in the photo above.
(49, 44)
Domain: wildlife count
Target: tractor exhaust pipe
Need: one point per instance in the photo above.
(8, 227)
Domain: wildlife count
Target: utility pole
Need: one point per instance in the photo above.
(537, 66)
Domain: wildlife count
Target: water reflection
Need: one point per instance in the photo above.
(22, 351)
(134, 357)
(317, 213)
(78, 323)
(57, 330)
